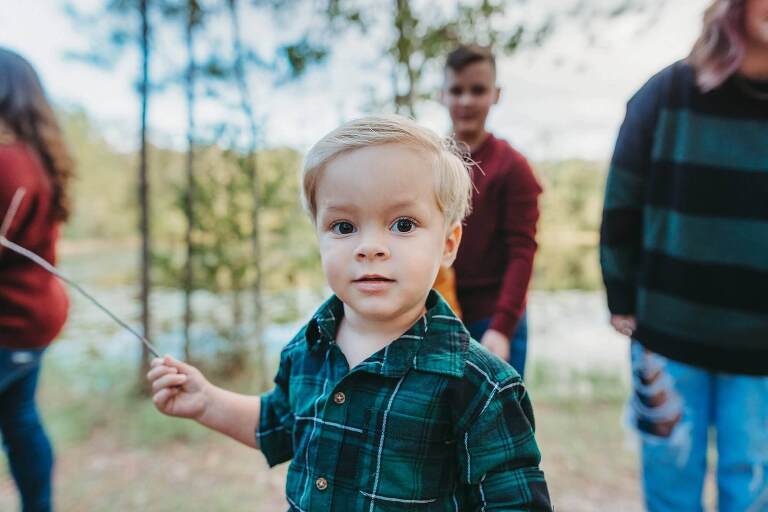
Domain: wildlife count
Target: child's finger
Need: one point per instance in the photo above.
(159, 371)
(169, 381)
(157, 361)
(161, 398)
(175, 363)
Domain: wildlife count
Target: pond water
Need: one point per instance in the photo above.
(568, 330)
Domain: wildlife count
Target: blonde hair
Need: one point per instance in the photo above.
(453, 189)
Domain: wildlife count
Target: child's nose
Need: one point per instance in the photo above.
(371, 249)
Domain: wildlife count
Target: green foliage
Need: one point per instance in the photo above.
(569, 225)
(222, 257)
(223, 222)
(103, 189)
(106, 209)
(572, 194)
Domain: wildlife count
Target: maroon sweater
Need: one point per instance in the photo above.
(33, 304)
(495, 259)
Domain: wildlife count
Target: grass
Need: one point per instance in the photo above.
(116, 452)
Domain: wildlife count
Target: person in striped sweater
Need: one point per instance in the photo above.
(684, 254)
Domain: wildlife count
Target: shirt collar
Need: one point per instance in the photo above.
(321, 329)
(436, 343)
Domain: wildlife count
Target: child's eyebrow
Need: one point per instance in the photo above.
(403, 203)
(408, 203)
(338, 208)
(414, 206)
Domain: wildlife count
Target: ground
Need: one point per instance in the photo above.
(103, 473)
(120, 455)
(116, 453)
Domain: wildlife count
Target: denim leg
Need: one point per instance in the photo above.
(518, 347)
(670, 409)
(29, 451)
(477, 328)
(741, 420)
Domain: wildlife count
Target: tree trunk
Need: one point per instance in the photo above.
(253, 179)
(404, 25)
(189, 193)
(144, 196)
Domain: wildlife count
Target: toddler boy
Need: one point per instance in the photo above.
(382, 401)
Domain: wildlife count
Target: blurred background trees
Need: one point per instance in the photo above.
(224, 217)
(232, 259)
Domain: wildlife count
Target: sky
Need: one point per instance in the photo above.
(563, 100)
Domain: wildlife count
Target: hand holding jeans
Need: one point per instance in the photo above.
(624, 324)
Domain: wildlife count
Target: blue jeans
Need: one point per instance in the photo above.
(673, 406)
(26, 444)
(518, 345)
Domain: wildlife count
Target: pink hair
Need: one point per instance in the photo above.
(718, 52)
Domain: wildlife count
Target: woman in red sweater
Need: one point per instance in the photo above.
(33, 304)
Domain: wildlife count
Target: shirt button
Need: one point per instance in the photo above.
(339, 398)
(321, 484)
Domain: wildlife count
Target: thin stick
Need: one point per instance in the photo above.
(4, 242)
(11, 213)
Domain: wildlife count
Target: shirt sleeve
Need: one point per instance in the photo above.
(621, 231)
(520, 212)
(498, 456)
(274, 435)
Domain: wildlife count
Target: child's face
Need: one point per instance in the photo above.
(382, 235)
(469, 95)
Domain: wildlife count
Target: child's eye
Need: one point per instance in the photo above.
(403, 225)
(342, 228)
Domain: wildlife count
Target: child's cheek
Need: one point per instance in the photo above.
(333, 264)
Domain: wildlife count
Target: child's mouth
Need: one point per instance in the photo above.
(373, 279)
(373, 284)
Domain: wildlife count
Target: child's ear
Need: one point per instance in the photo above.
(496, 95)
(451, 246)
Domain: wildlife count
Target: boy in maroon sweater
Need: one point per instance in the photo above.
(495, 260)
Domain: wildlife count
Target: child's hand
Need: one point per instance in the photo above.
(179, 389)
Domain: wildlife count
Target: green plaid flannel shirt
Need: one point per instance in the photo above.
(431, 422)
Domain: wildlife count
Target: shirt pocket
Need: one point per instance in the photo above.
(414, 463)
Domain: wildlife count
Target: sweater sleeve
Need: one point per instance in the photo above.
(621, 232)
(520, 212)
(14, 176)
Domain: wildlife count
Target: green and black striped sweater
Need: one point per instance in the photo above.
(684, 239)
